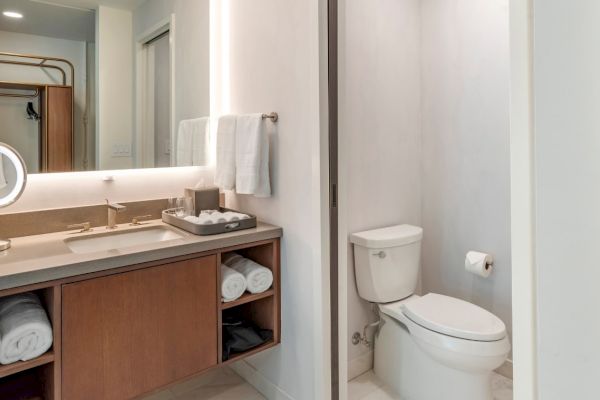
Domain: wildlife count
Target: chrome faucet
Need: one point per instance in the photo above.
(113, 209)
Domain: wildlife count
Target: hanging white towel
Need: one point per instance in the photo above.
(25, 332)
(233, 284)
(226, 137)
(3, 182)
(192, 142)
(258, 278)
(252, 156)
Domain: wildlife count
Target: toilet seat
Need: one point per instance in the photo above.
(439, 343)
(454, 317)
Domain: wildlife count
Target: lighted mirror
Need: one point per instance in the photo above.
(13, 175)
(85, 86)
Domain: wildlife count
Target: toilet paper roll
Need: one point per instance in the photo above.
(479, 263)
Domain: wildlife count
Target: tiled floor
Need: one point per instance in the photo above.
(368, 387)
(219, 384)
(224, 384)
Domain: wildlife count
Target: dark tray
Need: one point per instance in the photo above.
(169, 217)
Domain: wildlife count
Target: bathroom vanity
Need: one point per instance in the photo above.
(132, 320)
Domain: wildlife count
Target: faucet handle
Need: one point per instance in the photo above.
(136, 220)
(84, 226)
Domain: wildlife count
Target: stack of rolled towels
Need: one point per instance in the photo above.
(210, 217)
(239, 274)
(25, 331)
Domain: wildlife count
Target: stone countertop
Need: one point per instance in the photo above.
(43, 258)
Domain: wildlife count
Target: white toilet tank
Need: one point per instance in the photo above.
(386, 262)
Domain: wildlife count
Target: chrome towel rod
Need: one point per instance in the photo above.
(272, 116)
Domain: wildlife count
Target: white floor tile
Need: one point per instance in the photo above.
(369, 387)
(217, 384)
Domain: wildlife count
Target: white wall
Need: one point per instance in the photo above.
(379, 134)
(466, 154)
(567, 145)
(270, 59)
(23, 133)
(114, 115)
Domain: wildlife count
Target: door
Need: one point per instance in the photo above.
(127, 334)
(156, 135)
(59, 129)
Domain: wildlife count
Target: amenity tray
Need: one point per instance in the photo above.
(169, 217)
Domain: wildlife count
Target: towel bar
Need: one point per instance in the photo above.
(273, 116)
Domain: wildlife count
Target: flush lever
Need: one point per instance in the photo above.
(380, 254)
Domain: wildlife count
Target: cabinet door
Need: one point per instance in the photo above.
(128, 334)
(59, 125)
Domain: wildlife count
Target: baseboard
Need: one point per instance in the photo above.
(359, 365)
(259, 381)
(506, 369)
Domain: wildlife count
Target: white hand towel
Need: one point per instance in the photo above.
(192, 142)
(252, 156)
(226, 138)
(258, 278)
(3, 182)
(25, 332)
(233, 284)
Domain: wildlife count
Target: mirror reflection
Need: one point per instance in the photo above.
(96, 85)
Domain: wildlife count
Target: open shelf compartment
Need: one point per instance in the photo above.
(38, 378)
(263, 309)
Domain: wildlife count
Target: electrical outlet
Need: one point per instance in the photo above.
(121, 150)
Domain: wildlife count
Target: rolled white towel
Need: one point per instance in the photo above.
(25, 331)
(258, 278)
(231, 216)
(233, 284)
(205, 219)
(218, 217)
(192, 219)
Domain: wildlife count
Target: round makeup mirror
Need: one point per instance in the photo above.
(13, 177)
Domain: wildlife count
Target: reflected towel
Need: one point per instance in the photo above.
(252, 157)
(226, 137)
(233, 284)
(192, 142)
(258, 278)
(25, 332)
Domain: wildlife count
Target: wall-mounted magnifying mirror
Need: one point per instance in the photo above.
(13, 177)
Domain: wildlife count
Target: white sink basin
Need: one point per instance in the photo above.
(121, 239)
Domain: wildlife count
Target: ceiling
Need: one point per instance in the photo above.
(48, 20)
(93, 4)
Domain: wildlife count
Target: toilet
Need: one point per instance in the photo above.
(427, 347)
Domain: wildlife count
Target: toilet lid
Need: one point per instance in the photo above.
(454, 317)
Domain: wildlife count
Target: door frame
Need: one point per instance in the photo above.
(142, 118)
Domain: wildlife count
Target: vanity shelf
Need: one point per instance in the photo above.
(240, 356)
(15, 368)
(247, 298)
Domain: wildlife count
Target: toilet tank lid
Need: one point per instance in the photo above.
(392, 236)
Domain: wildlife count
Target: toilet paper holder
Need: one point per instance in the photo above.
(479, 263)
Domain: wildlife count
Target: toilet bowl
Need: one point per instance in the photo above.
(431, 347)
(423, 364)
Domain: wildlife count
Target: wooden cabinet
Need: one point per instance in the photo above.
(125, 332)
(58, 123)
(128, 334)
